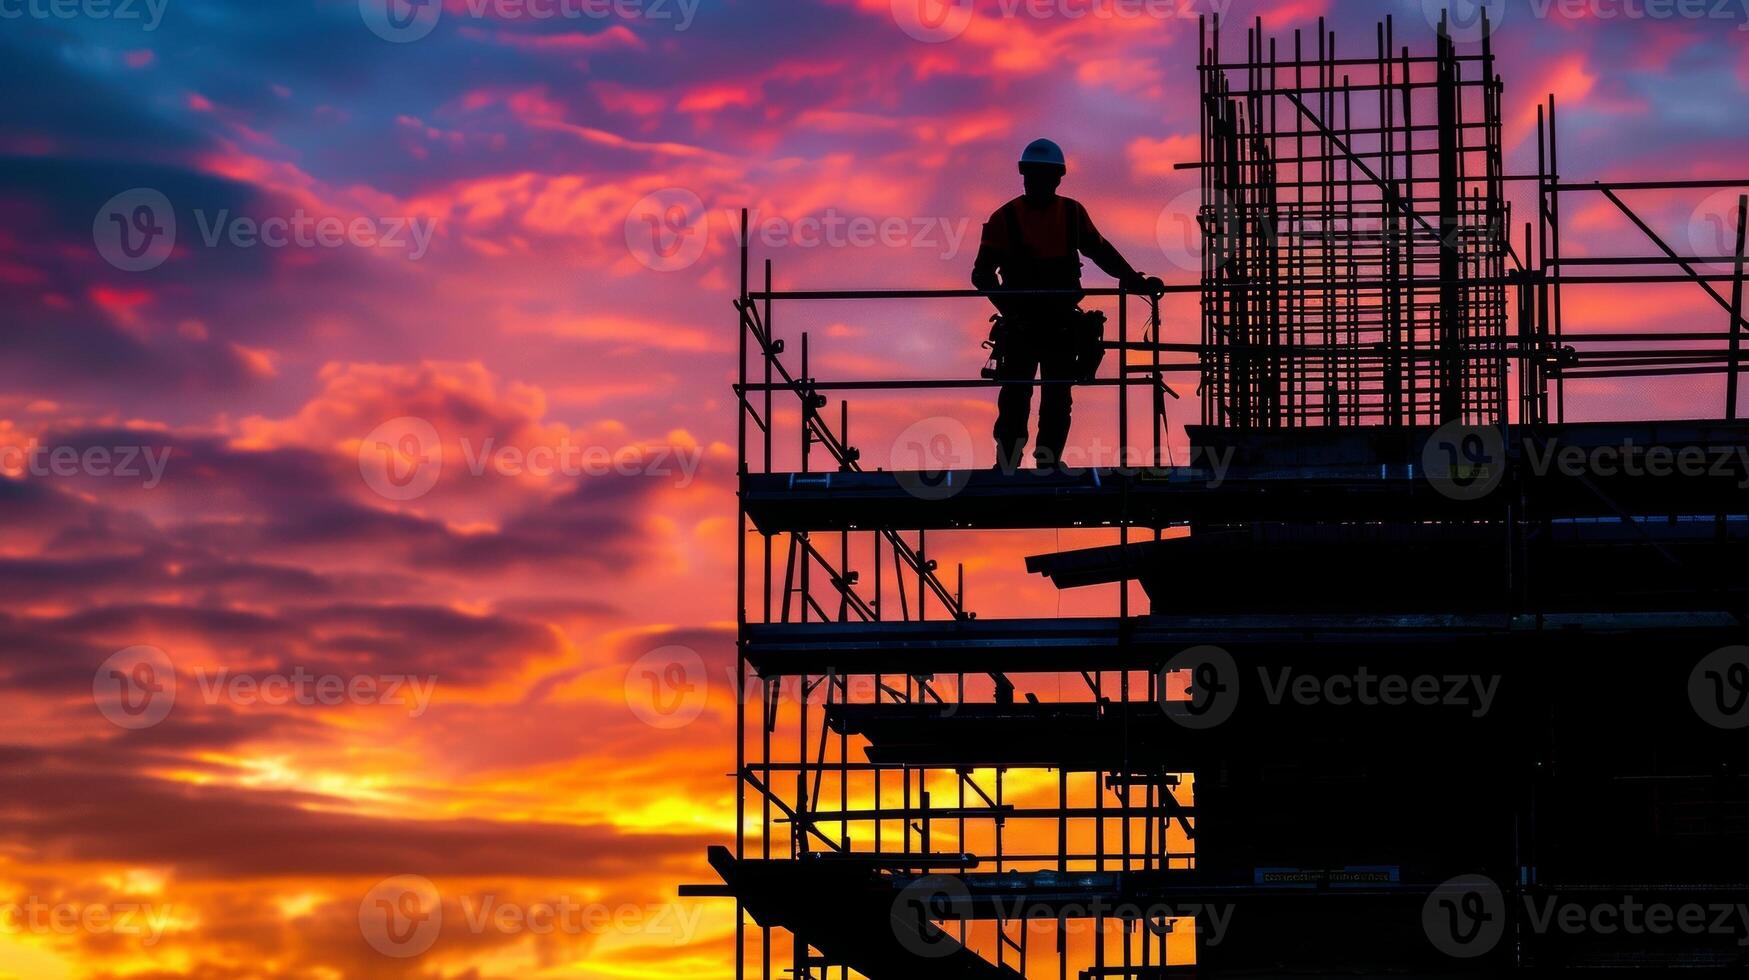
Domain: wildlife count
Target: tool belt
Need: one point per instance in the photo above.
(1047, 328)
(1085, 336)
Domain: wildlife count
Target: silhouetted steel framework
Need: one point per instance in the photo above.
(1357, 234)
(909, 806)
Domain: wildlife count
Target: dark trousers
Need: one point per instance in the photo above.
(1044, 351)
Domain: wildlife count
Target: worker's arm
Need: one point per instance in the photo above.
(985, 265)
(992, 250)
(1105, 255)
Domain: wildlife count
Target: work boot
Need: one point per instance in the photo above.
(1045, 462)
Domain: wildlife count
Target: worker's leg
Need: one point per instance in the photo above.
(1056, 363)
(1014, 403)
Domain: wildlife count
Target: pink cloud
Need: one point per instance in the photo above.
(1156, 157)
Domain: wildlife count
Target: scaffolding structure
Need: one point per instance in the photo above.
(914, 800)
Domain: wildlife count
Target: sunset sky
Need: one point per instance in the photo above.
(507, 239)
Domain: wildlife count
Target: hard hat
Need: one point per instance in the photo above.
(1044, 153)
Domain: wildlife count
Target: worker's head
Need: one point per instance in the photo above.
(1042, 167)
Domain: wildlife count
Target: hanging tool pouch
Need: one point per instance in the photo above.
(1001, 346)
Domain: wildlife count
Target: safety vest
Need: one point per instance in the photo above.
(1043, 244)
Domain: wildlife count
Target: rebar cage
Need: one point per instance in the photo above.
(1356, 234)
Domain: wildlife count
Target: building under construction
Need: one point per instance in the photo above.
(1411, 683)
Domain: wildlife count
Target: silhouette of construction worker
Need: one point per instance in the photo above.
(1036, 242)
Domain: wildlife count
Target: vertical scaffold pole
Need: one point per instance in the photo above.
(1731, 379)
(741, 612)
(1451, 299)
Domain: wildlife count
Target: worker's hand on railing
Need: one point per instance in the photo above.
(1141, 285)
